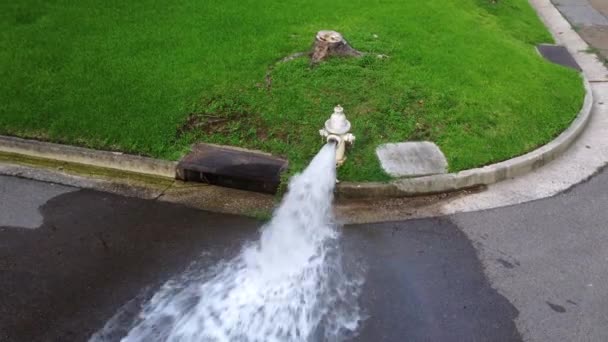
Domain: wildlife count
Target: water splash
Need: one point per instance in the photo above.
(288, 286)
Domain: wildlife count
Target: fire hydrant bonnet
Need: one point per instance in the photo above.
(336, 131)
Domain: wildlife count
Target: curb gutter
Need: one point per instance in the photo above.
(85, 156)
(486, 175)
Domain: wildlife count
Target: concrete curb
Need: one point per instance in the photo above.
(79, 155)
(486, 175)
(398, 188)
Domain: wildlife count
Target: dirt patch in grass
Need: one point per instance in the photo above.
(200, 125)
(208, 124)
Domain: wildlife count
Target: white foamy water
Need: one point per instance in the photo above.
(290, 285)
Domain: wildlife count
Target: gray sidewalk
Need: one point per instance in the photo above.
(590, 19)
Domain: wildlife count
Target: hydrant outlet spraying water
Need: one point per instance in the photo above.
(337, 131)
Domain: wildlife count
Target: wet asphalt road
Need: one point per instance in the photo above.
(457, 278)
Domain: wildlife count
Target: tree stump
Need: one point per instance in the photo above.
(331, 43)
(327, 43)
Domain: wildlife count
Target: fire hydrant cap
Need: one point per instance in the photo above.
(337, 123)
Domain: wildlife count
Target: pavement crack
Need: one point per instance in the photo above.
(103, 242)
(163, 191)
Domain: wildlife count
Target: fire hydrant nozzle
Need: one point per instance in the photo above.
(336, 130)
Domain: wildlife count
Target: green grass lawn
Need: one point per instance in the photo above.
(152, 77)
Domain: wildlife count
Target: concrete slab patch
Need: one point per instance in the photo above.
(596, 36)
(411, 159)
(600, 5)
(583, 15)
(558, 55)
(571, 2)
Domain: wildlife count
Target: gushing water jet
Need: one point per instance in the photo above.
(291, 285)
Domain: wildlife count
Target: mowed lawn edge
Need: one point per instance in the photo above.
(151, 78)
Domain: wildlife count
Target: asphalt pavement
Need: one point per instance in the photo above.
(70, 259)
